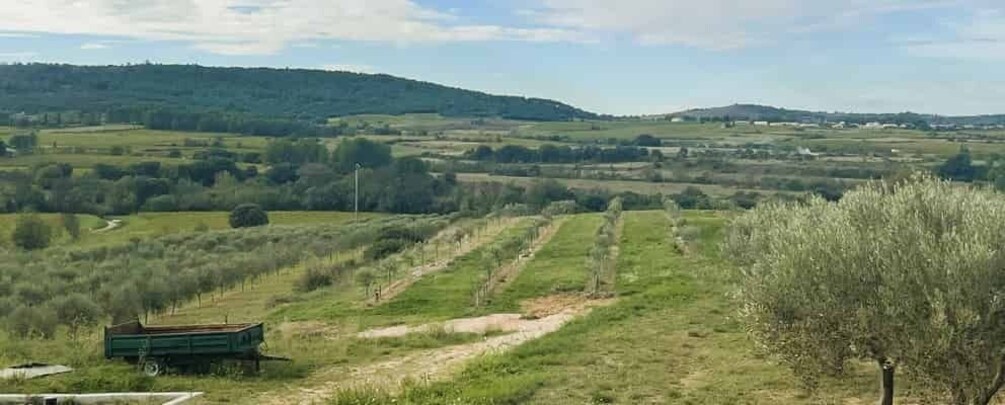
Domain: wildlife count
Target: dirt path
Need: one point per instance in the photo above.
(431, 364)
(485, 236)
(110, 224)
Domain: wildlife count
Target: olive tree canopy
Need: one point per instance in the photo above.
(908, 275)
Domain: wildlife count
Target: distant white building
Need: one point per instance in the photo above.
(801, 151)
(677, 119)
(873, 125)
(762, 123)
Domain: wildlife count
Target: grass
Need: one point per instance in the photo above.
(84, 160)
(86, 146)
(558, 267)
(671, 338)
(152, 224)
(311, 345)
(87, 223)
(445, 294)
(642, 187)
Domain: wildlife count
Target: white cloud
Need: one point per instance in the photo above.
(980, 38)
(343, 67)
(715, 24)
(93, 46)
(258, 26)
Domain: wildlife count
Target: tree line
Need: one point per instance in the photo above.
(549, 153)
(242, 100)
(80, 287)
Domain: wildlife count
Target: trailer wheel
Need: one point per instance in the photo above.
(153, 367)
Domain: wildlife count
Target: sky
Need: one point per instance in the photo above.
(622, 57)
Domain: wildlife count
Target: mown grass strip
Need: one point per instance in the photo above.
(558, 267)
(450, 292)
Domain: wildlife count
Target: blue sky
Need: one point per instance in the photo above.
(617, 57)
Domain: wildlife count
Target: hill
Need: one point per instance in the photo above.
(125, 93)
(756, 112)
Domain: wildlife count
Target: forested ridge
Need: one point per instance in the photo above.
(192, 97)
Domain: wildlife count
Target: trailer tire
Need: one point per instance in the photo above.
(152, 367)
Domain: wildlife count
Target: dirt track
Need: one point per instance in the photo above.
(434, 363)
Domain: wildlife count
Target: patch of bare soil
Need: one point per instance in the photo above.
(307, 329)
(438, 363)
(560, 303)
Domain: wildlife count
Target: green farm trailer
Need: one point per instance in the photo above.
(154, 348)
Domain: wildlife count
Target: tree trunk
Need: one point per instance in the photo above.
(996, 384)
(886, 383)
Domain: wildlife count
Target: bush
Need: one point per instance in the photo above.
(314, 278)
(385, 248)
(248, 215)
(31, 233)
(35, 321)
(72, 225)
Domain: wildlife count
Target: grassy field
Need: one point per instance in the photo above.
(642, 187)
(670, 338)
(88, 223)
(152, 224)
(559, 267)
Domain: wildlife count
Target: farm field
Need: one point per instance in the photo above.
(667, 335)
(152, 224)
(641, 187)
(487, 298)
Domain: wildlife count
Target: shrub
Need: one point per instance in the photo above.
(248, 215)
(314, 278)
(31, 233)
(72, 225)
(385, 248)
(32, 322)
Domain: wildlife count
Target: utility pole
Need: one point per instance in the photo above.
(356, 200)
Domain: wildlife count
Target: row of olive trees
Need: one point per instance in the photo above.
(508, 248)
(409, 240)
(31, 232)
(676, 225)
(909, 276)
(144, 277)
(600, 262)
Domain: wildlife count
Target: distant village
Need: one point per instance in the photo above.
(875, 125)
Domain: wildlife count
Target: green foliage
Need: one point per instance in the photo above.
(248, 215)
(32, 322)
(905, 275)
(31, 233)
(599, 262)
(959, 167)
(362, 151)
(384, 248)
(273, 100)
(71, 223)
(155, 274)
(25, 143)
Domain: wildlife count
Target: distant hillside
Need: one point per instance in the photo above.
(303, 95)
(755, 112)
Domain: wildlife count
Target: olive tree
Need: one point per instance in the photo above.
(248, 215)
(31, 232)
(909, 276)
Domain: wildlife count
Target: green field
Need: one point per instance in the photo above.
(151, 224)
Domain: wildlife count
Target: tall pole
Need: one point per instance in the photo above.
(356, 200)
